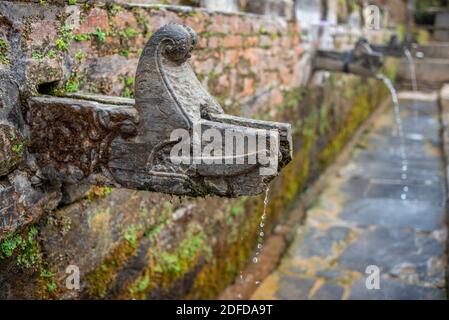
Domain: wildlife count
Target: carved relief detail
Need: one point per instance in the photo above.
(74, 142)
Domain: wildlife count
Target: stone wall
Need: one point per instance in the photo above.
(130, 244)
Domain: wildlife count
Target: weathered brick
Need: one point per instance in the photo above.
(276, 97)
(124, 19)
(232, 41)
(196, 22)
(96, 18)
(218, 24)
(214, 42)
(265, 41)
(251, 41)
(248, 87)
(42, 31)
(231, 57)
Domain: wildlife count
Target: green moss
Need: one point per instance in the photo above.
(141, 285)
(99, 280)
(166, 267)
(71, 2)
(130, 235)
(98, 192)
(4, 52)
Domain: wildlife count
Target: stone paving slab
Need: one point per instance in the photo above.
(361, 220)
(420, 215)
(391, 189)
(394, 290)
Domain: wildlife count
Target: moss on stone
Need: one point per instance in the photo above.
(98, 192)
(166, 267)
(104, 275)
(4, 52)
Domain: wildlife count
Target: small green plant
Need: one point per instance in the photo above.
(65, 37)
(100, 35)
(82, 37)
(114, 9)
(37, 55)
(51, 54)
(125, 53)
(61, 45)
(79, 55)
(71, 2)
(263, 31)
(46, 274)
(52, 286)
(24, 246)
(17, 148)
(129, 33)
(72, 85)
(128, 87)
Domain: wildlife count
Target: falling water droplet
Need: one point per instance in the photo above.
(403, 196)
(403, 176)
(255, 258)
(405, 189)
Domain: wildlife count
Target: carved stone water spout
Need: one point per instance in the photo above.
(361, 60)
(175, 138)
(394, 47)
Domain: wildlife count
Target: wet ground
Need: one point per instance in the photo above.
(378, 230)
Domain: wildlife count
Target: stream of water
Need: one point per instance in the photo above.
(400, 133)
(260, 236)
(411, 63)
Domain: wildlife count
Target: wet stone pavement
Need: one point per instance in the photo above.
(361, 220)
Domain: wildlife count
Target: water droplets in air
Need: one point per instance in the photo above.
(261, 234)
